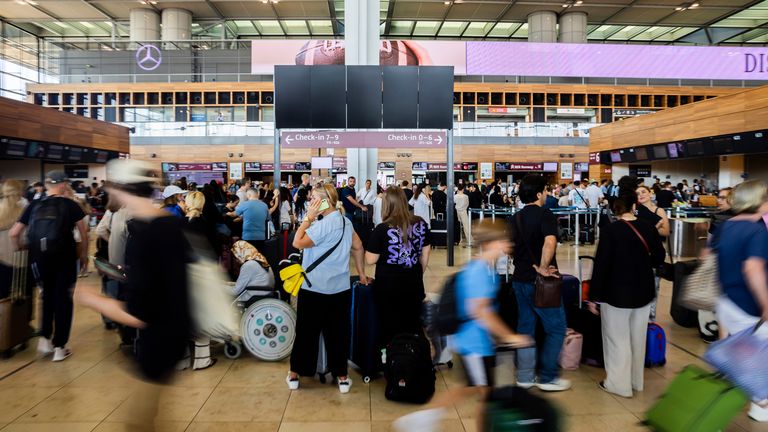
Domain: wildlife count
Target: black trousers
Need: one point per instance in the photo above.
(58, 277)
(258, 244)
(329, 315)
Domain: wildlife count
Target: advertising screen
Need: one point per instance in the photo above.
(551, 167)
(466, 166)
(581, 167)
(219, 166)
(386, 165)
(304, 166)
(660, 152)
(615, 156)
(420, 166)
(253, 166)
(673, 151)
(35, 150)
(101, 156)
(641, 153)
(322, 162)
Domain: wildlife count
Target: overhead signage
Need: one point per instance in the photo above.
(148, 57)
(268, 167)
(419, 166)
(193, 167)
(582, 167)
(486, 170)
(219, 166)
(594, 158)
(570, 110)
(386, 165)
(461, 166)
(303, 166)
(499, 110)
(640, 170)
(631, 112)
(616, 61)
(235, 170)
(372, 139)
(253, 166)
(519, 166)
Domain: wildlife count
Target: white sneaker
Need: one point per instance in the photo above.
(44, 346)
(526, 385)
(419, 421)
(345, 386)
(560, 384)
(293, 384)
(60, 354)
(758, 413)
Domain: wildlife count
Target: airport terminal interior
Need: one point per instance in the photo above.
(639, 125)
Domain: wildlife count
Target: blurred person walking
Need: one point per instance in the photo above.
(50, 223)
(323, 307)
(11, 208)
(157, 303)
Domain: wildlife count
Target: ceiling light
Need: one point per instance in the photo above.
(579, 3)
(695, 5)
(446, 2)
(565, 5)
(678, 8)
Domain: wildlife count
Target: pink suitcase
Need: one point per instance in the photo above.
(570, 356)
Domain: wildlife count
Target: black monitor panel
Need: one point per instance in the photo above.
(660, 151)
(328, 96)
(35, 150)
(364, 97)
(752, 142)
(292, 97)
(401, 93)
(615, 156)
(724, 145)
(74, 154)
(435, 97)
(55, 152)
(641, 153)
(628, 155)
(15, 148)
(696, 148)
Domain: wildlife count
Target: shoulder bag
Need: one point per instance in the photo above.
(294, 275)
(547, 289)
(702, 288)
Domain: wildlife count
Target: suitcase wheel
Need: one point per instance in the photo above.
(232, 350)
(321, 377)
(367, 379)
(450, 364)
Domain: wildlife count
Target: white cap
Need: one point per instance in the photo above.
(130, 171)
(173, 190)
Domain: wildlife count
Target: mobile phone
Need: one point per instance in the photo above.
(323, 205)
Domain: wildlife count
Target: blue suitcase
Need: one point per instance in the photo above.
(363, 352)
(571, 290)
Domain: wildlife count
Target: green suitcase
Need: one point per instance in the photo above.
(696, 401)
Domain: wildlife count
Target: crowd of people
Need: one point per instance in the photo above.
(389, 228)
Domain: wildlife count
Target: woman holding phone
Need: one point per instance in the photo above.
(325, 299)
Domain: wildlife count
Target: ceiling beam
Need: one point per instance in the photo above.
(732, 12)
(605, 21)
(99, 9)
(390, 14)
(499, 17)
(279, 20)
(255, 27)
(334, 19)
(215, 9)
(442, 21)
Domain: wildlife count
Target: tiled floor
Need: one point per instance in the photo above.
(92, 390)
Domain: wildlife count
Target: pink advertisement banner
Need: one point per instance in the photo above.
(354, 139)
(616, 61)
(265, 54)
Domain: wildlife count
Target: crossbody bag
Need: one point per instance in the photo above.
(547, 289)
(294, 275)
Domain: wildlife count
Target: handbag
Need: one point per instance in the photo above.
(702, 288)
(547, 289)
(741, 358)
(294, 275)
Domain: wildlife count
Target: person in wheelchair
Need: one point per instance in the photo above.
(255, 272)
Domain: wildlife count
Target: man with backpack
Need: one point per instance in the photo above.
(467, 311)
(50, 224)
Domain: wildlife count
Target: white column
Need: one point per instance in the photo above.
(177, 25)
(145, 25)
(731, 169)
(542, 26)
(361, 43)
(573, 27)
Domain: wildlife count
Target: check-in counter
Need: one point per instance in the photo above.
(688, 236)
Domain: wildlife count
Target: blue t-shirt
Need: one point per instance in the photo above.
(476, 281)
(738, 241)
(348, 206)
(332, 275)
(255, 214)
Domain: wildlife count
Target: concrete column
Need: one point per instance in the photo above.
(731, 169)
(573, 27)
(542, 26)
(177, 25)
(361, 46)
(145, 25)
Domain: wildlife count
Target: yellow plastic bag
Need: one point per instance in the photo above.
(293, 277)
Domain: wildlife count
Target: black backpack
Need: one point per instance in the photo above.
(409, 371)
(47, 233)
(447, 320)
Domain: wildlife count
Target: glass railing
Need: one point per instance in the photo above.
(463, 129)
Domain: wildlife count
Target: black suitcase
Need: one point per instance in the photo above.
(590, 327)
(517, 409)
(587, 234)
(409, 371)
(363, 351)
(571, 289)
(682, 316)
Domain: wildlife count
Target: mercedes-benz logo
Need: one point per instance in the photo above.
(148, 57)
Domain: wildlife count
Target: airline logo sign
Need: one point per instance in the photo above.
(373, 139)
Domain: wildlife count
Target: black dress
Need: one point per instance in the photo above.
(399, 285)
(156, 258)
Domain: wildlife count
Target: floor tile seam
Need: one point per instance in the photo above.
(215, 387)
(34, 406)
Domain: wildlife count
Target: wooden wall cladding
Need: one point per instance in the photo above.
(739, 112)
(31, 122)
(263, 153)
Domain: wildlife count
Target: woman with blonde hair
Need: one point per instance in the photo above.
(741, 244)
(399, 247)
(202, 237)
(325, 298)
(11, 208)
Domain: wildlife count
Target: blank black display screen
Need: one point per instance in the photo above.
(364, 97)
(401, 87)
(435, 97)
(328, 96)
(292, 97)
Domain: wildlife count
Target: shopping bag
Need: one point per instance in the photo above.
(743, 359)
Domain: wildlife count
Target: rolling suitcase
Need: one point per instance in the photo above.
(363, 350)
(409, 370)
(16, 309)
(584, 322)
(441, 353)
(682, 316)
(322, 361)
(517, 409)
(439, 230)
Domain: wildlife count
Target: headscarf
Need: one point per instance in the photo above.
(245, 251)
